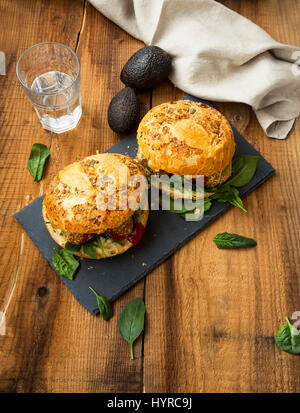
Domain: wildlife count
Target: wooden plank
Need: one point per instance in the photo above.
(212, 314)
(210, 319)
(30, 310)
(52, 344)
(98, 358)
(280, 19)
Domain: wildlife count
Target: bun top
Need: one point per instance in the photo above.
(186, 137)
(72, 201)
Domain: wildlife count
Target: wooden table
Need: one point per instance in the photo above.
(211, 314)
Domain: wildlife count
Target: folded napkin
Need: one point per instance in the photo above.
(218, 55)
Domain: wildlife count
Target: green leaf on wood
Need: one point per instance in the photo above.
(226, 241)
(287, 338)
(131, 322)
(37, 159)
(103, 305)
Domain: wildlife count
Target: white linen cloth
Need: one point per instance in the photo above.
(218, 55)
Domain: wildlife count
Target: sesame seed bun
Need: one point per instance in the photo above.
(186, 138)
(71, 200)
(110, 247)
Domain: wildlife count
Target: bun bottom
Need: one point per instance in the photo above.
(176, 192)
(110, 247)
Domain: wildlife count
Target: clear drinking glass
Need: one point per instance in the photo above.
(50, 75)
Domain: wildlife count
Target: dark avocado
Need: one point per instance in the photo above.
(123, 111)
(146, 68)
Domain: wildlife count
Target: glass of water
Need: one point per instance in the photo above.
(50, 75)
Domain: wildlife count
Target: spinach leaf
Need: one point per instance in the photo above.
(71, 248)
(103, 305)
(145, 165)
(226, 240)
(89, 248)
(226, 193)
(243, 170)
(101, 246)
(106, 236)
(37, 159)
(184, 209)
(287, 338)
(131, 322)
(206, 206)
(65, 264)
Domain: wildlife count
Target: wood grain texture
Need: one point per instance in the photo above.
(219, 309)
(52, 343)
(30, 313)
(211, 314)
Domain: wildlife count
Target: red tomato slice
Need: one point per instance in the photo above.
(115, 236)
(137, 233)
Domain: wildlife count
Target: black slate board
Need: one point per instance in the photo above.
(113, 276)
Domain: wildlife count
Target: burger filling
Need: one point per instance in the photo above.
(131, 230)
(117, 234)
(122, 231)
(210, 181)
(77, 239)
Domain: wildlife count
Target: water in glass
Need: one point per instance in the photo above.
(61, 107)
